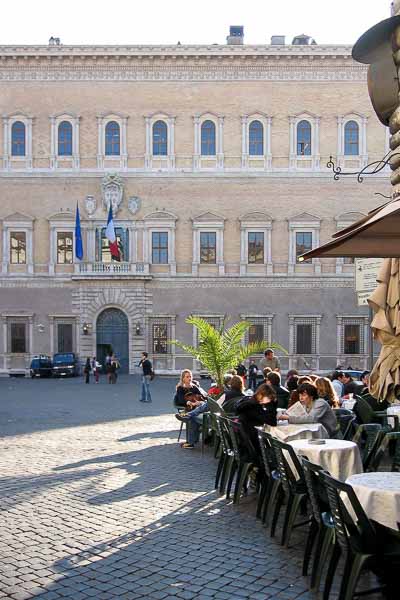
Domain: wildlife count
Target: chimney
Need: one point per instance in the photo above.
(303, 40)
(236, 35)
(277, 40)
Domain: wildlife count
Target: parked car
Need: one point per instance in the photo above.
(41, 366)
(65, 363)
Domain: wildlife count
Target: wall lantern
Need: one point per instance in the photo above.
(138, 330)
(85, 328)
(40, 328)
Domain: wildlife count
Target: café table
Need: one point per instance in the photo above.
(379, 495)
(339, 457)
(307, 431)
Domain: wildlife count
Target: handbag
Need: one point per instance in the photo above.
(152, 375)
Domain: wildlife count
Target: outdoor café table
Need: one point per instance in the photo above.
(307, 431)
(379, 495)
(339, 457)
(393, 410)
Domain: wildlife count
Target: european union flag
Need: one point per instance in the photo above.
(78, 236)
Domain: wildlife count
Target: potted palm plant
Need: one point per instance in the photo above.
(220, 350)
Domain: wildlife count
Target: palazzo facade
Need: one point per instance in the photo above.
(214, 159)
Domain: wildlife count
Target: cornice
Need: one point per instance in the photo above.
(179, 63)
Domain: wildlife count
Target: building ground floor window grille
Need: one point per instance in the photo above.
(18, 341)
(64, 337)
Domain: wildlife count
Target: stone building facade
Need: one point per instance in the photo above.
(214, 159)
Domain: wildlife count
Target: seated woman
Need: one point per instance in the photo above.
(259, 409)
(233, 395)
(327, 392)
(185, 385)
(317, 409)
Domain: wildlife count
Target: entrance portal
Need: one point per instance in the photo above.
(112, 335)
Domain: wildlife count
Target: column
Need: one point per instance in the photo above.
(53, 143)
(243, 251)
(53, 252)
(196, 252)
(340, 142)
(171, 252)
(29, 250)
(124, 153)
(76, 159)
(268, 145)
(292, 144)
(197, 145)
(100, 143)
(245, 154)
(316, 154)
(147, 156)
(6, 144)
(220, 149)
(364, 150)
(171, 143)
(6, 245)
(220, 252)
(91, 244)
(268, 251)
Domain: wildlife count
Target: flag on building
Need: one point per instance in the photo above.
(112, 238)
(78, 235)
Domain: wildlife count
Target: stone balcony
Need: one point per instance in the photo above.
(112, 269)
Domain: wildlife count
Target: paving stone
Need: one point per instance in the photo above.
(98, 501)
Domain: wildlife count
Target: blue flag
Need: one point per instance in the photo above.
(78, 235)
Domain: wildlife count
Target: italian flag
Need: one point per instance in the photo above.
(112, 239)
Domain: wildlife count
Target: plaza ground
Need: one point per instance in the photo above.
(98, 501)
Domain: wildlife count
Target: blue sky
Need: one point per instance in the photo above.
(187, 21)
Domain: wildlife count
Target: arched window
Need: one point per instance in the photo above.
(256, 138)
(18, 138)
(303, 138)
(351, 139)
(65, 139)
(112, 139)
(208, 138)
(160, 139)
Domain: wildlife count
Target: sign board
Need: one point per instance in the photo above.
(366, 273)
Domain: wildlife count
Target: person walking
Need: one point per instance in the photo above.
(147, 369)
(253, 370)
(96, 366)
(86, 370)
(114, 366)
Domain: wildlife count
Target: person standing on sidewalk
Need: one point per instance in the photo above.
(87, 370)
(147, 369)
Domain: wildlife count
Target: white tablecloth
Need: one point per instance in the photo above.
(379, 495)
(306, 431)
(339, 457)
(393, 410)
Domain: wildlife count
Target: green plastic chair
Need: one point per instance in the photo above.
(390, 440)
(367, 438)
(356, 539)
(294, 488)
(243, 462)
(271, 482)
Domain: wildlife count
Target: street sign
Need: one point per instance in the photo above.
(366, 273)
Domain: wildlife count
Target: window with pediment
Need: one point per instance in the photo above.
(208, 138)
(304, 141)
(65, 139)
(303, 236)
(112, 143)
(18, 139)
(17, 144)
(351, 139)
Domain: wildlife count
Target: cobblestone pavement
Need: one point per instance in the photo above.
(98, 501)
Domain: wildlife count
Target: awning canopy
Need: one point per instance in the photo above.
(376, 235)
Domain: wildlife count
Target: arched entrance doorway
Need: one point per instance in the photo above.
(112, 335)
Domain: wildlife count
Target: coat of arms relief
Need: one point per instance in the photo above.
(112, 189)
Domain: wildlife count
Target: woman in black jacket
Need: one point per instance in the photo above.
(258, 410)
(185, 386)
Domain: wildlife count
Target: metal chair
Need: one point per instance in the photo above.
(391, 440)
(271, 480)
(367, 438)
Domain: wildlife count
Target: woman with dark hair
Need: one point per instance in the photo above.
(292, 384)
(87, 368)
(259, 409)
(234, 394)
(317, 410)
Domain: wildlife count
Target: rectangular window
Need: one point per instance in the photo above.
(348, 260)
(208, 247)
(64, 248)
(304, 338)
(256, 248)
(351, 338)
(18, 338)
(18, 248)
(303, 243)
(64, 337)
(160, 338)
(159, 247)
(256, 333)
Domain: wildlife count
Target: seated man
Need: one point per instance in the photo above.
(282, 394)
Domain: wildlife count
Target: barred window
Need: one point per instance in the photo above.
(64, 248)
(351, 338)
(18, 338)
(256, 333)
(256, 247)
(304, 338)
(208, 247)
(160, 338)
(18, 247)
(159, 247)
(64, 337)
